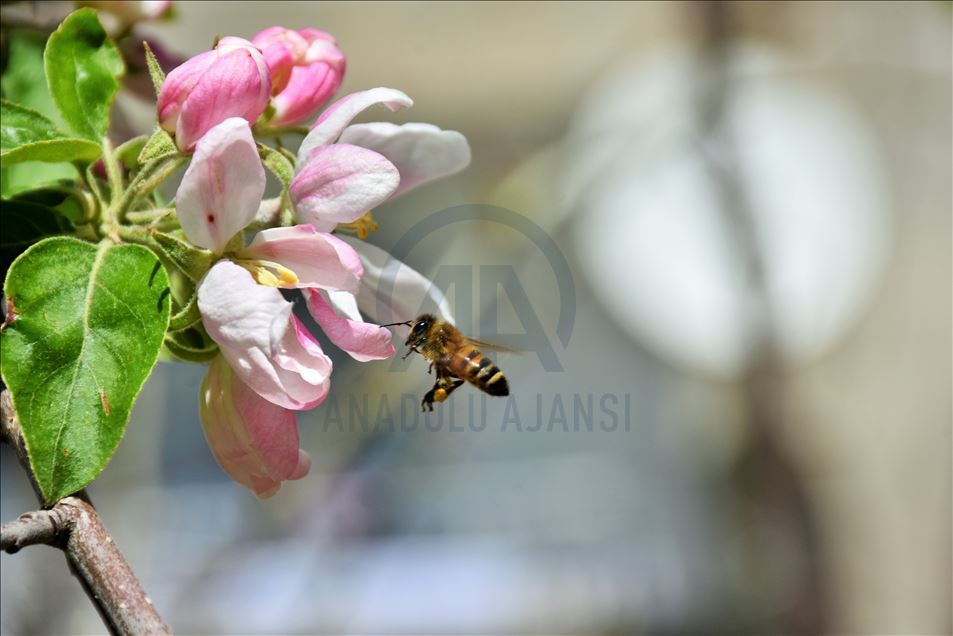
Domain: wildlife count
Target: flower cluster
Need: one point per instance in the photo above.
(270, 365)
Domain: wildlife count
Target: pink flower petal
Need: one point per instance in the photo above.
(316, 49)
(362, 340)
(178, 85)
(282, 49)
(299, 353)
(235, 84)
(421, 152)
(318, 259)
(253, 326)
(222, 188)
(254, 441)
(308, 88)
(340, 184)
(339, 114)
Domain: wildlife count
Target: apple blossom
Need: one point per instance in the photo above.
(266, 345)
(232, 80)
(241, 306)
(222, 187)
(343, 171)
(306, 70)
(254, 441)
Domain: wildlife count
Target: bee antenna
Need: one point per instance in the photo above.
(394, 324)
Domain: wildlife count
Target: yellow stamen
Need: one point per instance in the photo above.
(269, 273)
(264, 277)
(362, 227)
(288, 277)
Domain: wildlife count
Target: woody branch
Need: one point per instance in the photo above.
(74, 526)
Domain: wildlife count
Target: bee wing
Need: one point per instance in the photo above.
(479, 344)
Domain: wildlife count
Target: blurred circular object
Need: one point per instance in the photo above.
(656, 243)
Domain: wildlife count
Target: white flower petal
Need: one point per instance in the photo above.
(339, 114)
(258, 336)
(421, 152)
(392, 291)
(222, 188)
(340, 184)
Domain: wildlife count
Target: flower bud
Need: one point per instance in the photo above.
(231, 80)
(254, 441)
(306, 68)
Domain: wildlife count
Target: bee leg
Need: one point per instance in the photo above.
(426, 404)
(442, 388)
(430, 368)
(449, 388)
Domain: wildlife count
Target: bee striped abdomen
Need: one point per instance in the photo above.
(469, 364)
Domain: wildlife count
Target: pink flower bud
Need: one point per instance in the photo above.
(230, 81)
(283, 50)
(306, 67)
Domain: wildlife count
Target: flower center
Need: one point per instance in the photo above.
(268, 273)
(362, 227)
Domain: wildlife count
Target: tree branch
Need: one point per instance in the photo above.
(30, 529)
(73, 526)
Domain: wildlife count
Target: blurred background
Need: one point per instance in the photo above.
(746, 428)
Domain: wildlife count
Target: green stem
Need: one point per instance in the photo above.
(287, 217)
(148, 216)
(113, 172)
(163, 170)
(131, 234)
(277, 131)
(165, 225)
(93, 184)
(152, 174)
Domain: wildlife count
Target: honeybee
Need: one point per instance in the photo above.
(456, 358)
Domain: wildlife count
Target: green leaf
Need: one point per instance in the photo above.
(88, 323)
(25, 80)
(82, 69)
(160, 144)
(278, 164)
(26, 135)
(179, 349)
(22, 177)
(128, 151)
(61, 198)
(24, 223)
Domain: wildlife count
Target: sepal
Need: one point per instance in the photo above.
(159, 145)
(191, 261)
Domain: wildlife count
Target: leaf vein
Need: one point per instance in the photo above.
(90, 290)
(122, 302)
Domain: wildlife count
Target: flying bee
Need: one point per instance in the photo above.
(456, 358)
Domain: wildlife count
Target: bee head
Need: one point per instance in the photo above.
(418, 332)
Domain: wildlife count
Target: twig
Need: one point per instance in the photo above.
(30, 529)
(73, 525)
